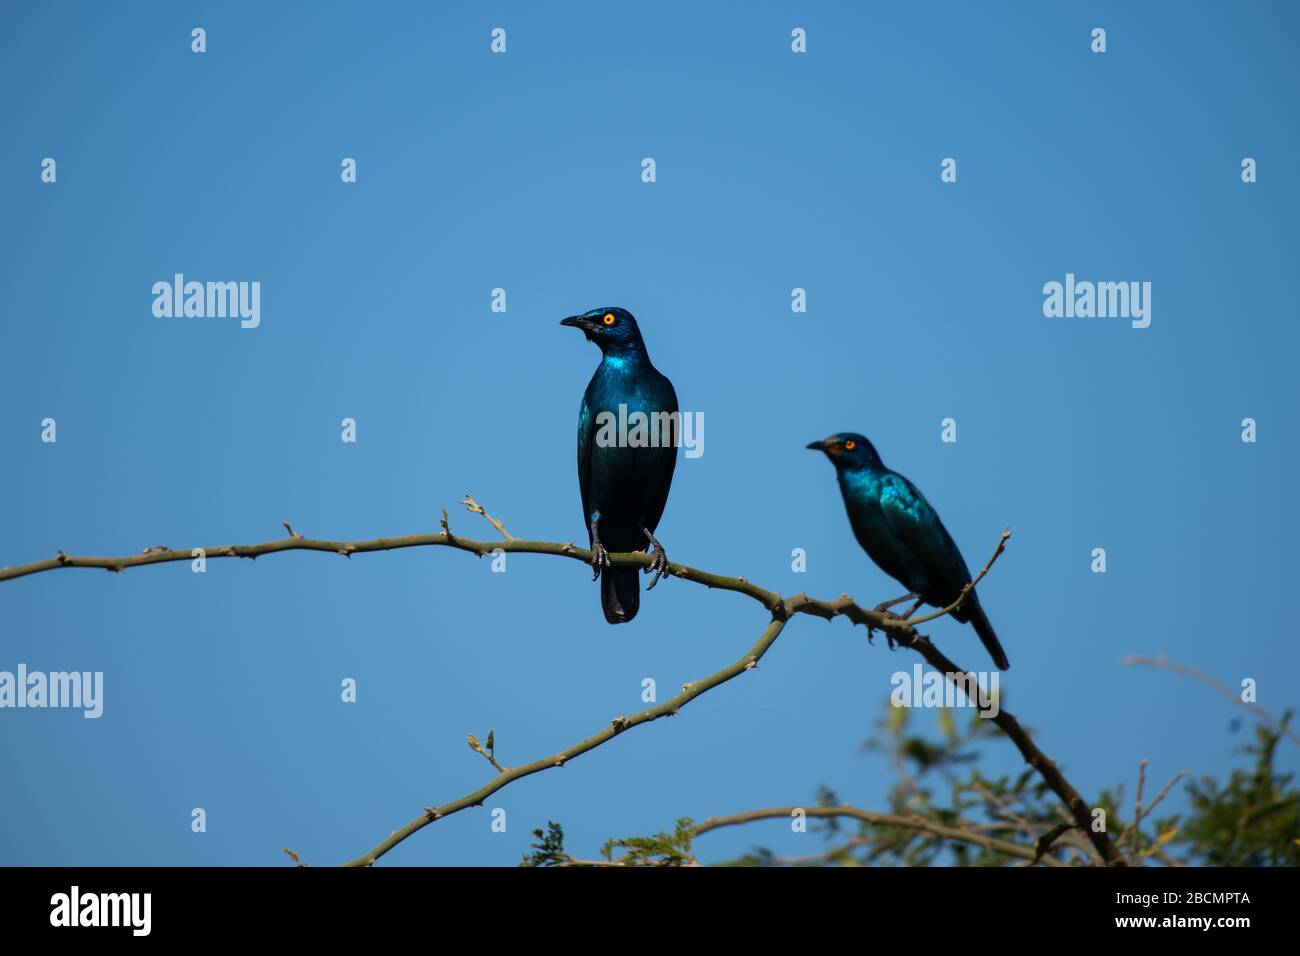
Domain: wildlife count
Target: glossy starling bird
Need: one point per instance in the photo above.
(628, 430)
(901, 533)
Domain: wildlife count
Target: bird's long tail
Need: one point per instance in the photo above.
(985, 630)
(620, 593)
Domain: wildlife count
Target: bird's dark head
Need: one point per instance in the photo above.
(611, 328)
(848, 450)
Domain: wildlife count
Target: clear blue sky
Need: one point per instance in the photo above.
(522, 171)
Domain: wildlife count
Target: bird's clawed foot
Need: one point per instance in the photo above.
(599, 556)
(658, 560)
(882, 608)
(889, 636)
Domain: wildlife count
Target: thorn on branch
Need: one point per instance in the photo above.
(62, 557)
(446, 528)
(294, 856)
(289, 528)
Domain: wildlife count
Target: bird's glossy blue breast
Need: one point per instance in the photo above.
(623, 382)
(861, 491)
(861, 485)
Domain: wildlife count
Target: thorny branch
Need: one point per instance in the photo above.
(906, 821)
(1162, 662)
(885, 821)
(781, 610)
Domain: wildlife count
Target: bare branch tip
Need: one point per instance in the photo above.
(472, 505)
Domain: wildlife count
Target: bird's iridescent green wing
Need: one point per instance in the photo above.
(916, 525)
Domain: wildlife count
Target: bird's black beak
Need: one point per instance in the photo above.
(816, 445)
(582, 323)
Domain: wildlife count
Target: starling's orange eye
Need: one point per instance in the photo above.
(609, 318)
(850, 445)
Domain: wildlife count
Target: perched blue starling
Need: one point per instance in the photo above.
(624, 472)
(901, 533)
